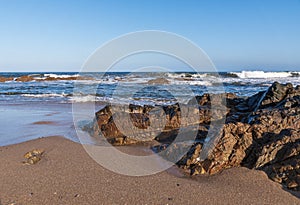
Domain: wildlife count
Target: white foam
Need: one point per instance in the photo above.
(45, 95)
(87, 98)
(51, 75)
(194, 82)
(187, 75)
(262, 74)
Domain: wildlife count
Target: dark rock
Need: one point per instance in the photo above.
(275, 94)
(271, 142)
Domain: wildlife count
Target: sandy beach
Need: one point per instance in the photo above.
(153, 102)
(67, 175)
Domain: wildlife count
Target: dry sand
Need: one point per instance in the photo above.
(67, 175)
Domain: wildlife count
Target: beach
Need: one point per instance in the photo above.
(255, 159)
(67, 175)
(153, 102)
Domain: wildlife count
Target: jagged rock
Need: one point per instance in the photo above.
(260, 132)
(188, 150)
(275, 94)
(225, 99)
(271, 142)
(286, 172)
(232, 106)
(230, 150)
(143, 123)
(273, 148)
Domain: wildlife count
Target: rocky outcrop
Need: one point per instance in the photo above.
(275, 94)
(260, 132)
(269, 142)
(135, 123)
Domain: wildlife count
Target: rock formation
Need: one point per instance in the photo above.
(265, 136)
(260, 132)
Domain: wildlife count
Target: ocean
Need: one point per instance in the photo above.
(136, 88)
(35, 105)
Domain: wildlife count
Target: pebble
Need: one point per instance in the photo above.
(292, 185)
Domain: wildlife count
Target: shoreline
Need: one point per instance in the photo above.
(67, 175)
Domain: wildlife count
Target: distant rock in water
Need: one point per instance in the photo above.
(39, 78)
(25, 78)
(160, 81)
(260, 132)
(5, 79)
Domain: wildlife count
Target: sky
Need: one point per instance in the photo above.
(236, 35)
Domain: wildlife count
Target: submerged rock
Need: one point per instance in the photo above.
(159, 81)
(26, 78)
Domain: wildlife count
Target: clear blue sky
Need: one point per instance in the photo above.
(237, 35)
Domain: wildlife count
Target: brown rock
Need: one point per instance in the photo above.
(159, 81)
(33, 156)
(4, 79)
(270, 143)
(25, 78)
(144, 123)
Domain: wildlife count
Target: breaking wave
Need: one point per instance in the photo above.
(263, 75)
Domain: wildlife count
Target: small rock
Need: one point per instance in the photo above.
(33, 156)
(292, 185)
(34, 152)
(277, 179)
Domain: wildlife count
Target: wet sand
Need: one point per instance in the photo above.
(28, 121)
(67, 175)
